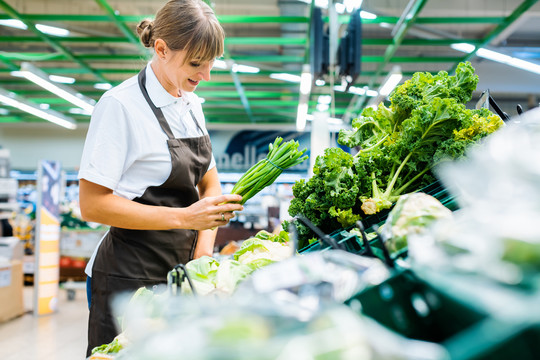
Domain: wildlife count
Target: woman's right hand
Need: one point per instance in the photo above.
(212, 211)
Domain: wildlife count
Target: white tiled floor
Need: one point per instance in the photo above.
(61, 336)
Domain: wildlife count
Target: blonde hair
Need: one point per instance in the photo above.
(189, 25)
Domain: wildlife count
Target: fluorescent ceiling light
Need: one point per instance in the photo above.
(62, 79)
(322, 107)
(324, 99)
(52, 30)
(306, 81)
(346, 6)
(391, 81)
(50, 115)
(219, 64)
(285, 77)
(301, 116)
(493, 55)
(238, 68)
(17, 24)
(367, 15)
(356, 90)
(464, 47)
(320, 82)
(498, 57)
(363, 91)
(44, 106)
(331, 120)
(46, 29)
(524, 65)
(102, 86)
(38, 77)
(79, 111)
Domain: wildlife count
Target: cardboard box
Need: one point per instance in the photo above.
(11, 290)
(11, 248)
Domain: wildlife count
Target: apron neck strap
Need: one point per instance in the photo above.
(157, 112)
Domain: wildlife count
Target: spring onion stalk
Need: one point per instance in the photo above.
(266, 171)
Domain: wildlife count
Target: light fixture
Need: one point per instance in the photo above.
(320, 82)
(346, 6)
(239, 68)
(363, 91)
(301, 116)
(331, 120)
(306, 80)
(285, 77)
(15, 101)
(498, 57)
(40, 78)
(79, 111)
(392, 80)
(62, 79)
(102, 86)
(219, 64)
(46, 29)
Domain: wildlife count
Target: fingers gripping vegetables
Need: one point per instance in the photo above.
(265, 172)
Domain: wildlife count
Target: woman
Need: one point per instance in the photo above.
(147, 168)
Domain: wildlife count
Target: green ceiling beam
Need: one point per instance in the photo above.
(265, 41)
(120, 24)
(269, 58)
(460, 20)
(256, 19)
(344, 19)
(10, 119)
(231, 19)
(234, 94)
(523, 7)
(79, 39)
(247, 40)
(421, 42)
(53, 43)
(139, 57)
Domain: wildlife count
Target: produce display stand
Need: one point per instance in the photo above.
(76, 247)
(352, 243)
(444, 312)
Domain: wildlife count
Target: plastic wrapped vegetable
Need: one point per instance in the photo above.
(412, 214)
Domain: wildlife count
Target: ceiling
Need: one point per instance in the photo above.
(271, 35)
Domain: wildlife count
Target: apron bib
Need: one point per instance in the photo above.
(130, 259)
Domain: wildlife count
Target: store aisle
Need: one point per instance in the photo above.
(61, 336)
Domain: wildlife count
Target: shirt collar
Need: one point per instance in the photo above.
(159, 96)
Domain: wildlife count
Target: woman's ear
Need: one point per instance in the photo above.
(160, 48)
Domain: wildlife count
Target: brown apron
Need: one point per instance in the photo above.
(130, 259)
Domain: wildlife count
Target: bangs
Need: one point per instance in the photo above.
(207, 42)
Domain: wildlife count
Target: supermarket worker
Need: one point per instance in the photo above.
(147, 168)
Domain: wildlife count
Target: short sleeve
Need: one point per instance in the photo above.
(107, 145)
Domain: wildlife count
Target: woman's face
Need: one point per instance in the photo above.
(183, 76)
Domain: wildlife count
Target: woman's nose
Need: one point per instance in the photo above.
(206, 72)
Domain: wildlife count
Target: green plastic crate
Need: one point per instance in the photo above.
(417, 310)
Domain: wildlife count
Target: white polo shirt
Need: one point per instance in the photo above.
(126, 149)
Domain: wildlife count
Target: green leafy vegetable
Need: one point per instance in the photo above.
(265, 172)
(398, 146)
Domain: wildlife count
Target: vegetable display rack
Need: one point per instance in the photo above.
(418, 310)
(352, 243)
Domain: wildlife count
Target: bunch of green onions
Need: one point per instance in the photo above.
(265, 172)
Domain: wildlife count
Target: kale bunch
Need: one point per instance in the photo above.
(398, 146)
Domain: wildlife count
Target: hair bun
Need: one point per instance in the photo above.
(144, 30)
